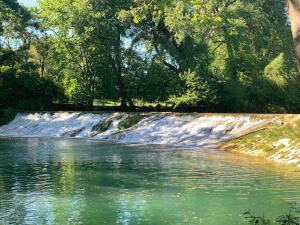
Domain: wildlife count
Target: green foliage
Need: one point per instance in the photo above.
(256, 220)
(130, 121)
(28, 92)
(231, 96)
(196, 92)
(276, 71)
(21, 85)
(7, 115)
(290, 218)
(189, 99)
(229, 56)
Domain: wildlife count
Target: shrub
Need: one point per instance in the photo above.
(28, 92)
(290, 218)
(196, 91)
(276, 71)
(7, 115)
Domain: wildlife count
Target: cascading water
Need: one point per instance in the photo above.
(185, 130)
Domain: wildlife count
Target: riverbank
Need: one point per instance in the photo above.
(278, 141)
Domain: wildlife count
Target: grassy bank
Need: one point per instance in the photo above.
(278, 141)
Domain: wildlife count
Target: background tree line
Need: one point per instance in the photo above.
(214, 55)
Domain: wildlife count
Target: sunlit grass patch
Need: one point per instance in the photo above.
(279, 142)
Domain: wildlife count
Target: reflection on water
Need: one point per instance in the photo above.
(44, 181)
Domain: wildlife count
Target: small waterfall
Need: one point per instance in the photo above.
(184, 130)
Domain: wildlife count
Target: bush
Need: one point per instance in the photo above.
(196, 92)
(28, 91)
(290, 218)
(276, 71)
(7, 115)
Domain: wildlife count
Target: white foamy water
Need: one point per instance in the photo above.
(167, 129)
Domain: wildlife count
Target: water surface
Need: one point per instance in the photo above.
(57, 181)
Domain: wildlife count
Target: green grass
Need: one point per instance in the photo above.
(137, 103)
(130, 121)
(106, 103)
(263, 141)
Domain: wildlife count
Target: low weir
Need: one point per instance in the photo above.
(178, 130)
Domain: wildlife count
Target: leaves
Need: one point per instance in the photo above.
(223, 55)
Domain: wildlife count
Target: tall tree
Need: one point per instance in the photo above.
(20, 85)
(73, 26)
(294, 13)
(112, 34)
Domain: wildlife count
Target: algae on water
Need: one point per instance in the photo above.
(130, 121)
(103, 126)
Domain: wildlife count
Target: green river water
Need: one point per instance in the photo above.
(57, 181)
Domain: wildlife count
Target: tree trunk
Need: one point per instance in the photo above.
(118, 70)
(42, 65)
(231, 65)
(91, 103)
(121, 88)
(294, 13)
(117, 67)
(120, 81)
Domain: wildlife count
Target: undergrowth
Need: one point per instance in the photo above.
(7, 115)
(291, 217)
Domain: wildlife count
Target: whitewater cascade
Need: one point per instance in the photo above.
(182, 130)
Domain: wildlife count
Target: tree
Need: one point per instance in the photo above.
(73, 28)
(112, 36)
(294, 13)
(21, 87)
(226, 44)
(223, 55)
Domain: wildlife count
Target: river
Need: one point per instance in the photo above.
(70, 181)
